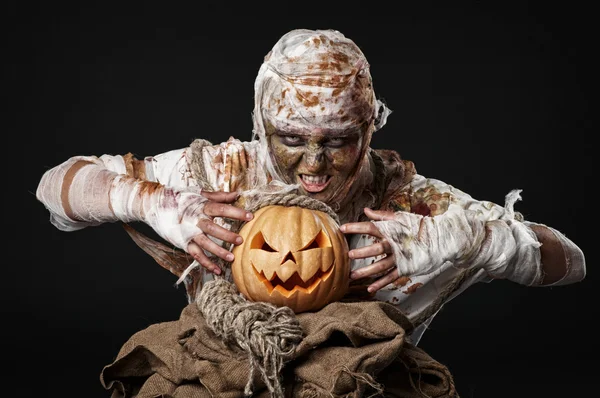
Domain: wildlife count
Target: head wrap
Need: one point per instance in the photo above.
(315, 80)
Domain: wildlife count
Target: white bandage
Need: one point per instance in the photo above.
(511, 251)
(574, 258)
(173, 213)
(49, 192)
(88, 194)
(421, 244)
(97, 195)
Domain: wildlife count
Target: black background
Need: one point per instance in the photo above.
(487, 96)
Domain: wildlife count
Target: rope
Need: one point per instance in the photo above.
(266, 333)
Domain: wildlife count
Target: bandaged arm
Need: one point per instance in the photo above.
(87, 190)
(494, 240)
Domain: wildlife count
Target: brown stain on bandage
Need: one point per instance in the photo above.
(134, 168)
(421, 208)
(307, 98)
(148, 188)
(413, 288)
(66, 185)
(340, 57)
(402, 281)
(218, 159)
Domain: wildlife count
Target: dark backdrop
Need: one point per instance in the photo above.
(485, 97)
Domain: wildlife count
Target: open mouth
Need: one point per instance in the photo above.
(294, 283)
(314, 183)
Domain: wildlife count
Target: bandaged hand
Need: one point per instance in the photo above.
(418, 245)
(188, 218)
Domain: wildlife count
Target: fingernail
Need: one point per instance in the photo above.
(217, 270)
(230, 257)
(370, 289)
(353, 275)
(343, 228)
(351, 254)
(239, 240)
(249, 216)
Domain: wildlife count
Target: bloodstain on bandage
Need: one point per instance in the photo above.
(402, 281)
(413, 288)
(148, 188)
(421, 208)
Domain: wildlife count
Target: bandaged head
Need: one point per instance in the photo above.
(316, 81)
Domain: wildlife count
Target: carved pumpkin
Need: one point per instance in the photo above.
(292, 256)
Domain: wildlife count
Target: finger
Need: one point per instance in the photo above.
(376, 268)
(205, 243)
(212, 229)
(386, 280)
(379, 215)
(216, 209)
(199, 255)
(220, 196)
(373, 250)
(361, 228)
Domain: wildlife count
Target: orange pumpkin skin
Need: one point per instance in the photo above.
(292, 256)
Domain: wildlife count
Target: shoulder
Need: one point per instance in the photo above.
(412, 192)
(201, 148)
(228, 166)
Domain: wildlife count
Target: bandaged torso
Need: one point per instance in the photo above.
(237, 166)
(234, 165)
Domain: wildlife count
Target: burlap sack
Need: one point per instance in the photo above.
(349, 350)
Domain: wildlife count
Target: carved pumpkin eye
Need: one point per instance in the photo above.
(259, 242)
(292, 257)
(267, 248)
(320, 241)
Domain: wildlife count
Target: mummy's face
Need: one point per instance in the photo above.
(320, 160)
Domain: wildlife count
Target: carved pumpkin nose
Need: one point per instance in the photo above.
(289, 256)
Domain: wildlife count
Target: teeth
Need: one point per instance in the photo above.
(314, 179)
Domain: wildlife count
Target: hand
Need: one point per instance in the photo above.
(387, 264)
(217, 206)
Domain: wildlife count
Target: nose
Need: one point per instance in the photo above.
(314, 159)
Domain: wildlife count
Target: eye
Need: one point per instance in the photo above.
(336, 142)
(291, 140)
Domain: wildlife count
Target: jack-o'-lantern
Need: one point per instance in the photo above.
(292, 256)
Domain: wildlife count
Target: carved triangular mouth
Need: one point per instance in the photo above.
(294, 283)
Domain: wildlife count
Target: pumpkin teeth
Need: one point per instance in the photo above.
(268, 277)
(292, 284)
(285, 271)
